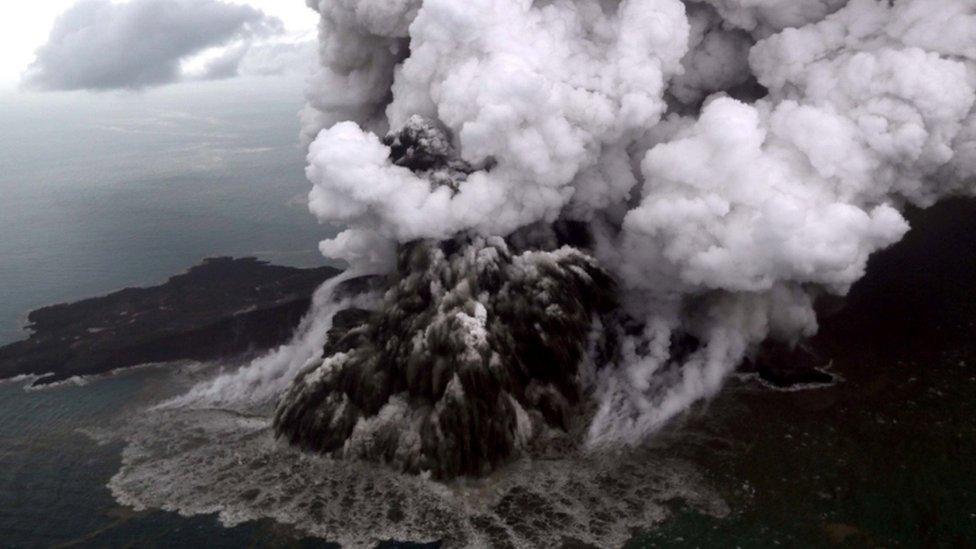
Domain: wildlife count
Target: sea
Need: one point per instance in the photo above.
(104, 191)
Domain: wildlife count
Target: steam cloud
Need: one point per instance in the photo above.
(103, 45)
(732, 159)
(586, 214)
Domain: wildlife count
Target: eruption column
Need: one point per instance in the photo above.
(727, 162)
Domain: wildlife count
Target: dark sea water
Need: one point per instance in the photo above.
(128, 190)
(99, 192)
(878, 461)
(53, 475)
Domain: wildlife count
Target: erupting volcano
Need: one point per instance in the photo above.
(489, 273)
(593, 211)
(566, 222)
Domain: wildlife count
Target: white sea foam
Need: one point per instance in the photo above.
(26, 379)
(203, 461)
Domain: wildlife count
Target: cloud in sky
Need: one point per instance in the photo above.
(268, 58)
(101, 45)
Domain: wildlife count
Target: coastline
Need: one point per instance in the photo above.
(220, 308)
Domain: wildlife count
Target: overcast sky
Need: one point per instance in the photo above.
(31, 27)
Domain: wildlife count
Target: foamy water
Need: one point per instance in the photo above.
(214, 461)
(212, 450)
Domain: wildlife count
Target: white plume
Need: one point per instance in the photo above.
(731, 157)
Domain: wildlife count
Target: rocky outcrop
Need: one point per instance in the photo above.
(473, 352)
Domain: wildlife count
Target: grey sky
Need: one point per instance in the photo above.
(104, 45)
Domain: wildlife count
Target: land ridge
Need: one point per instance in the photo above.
(222, 307)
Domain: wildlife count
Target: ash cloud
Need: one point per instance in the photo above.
(103, 45)
(731, 160)
(680, 179)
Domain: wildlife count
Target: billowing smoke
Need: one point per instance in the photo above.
(721, 163)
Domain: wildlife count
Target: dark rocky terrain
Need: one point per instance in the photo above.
(220, 308)
(470, 356)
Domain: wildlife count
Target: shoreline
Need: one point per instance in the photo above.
(220, 308)
(21, 325)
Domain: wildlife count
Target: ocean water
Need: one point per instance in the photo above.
(100, 192)
(105, 191)
(53, 475)
(872, 462)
